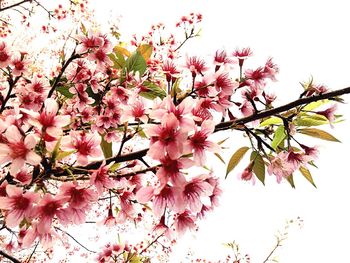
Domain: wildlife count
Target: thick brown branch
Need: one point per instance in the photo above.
(229, 125)
(9, 257)
(13, 5)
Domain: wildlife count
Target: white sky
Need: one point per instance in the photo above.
(305, 38)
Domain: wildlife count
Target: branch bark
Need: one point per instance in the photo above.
(9, 257)
(14, 5)
(227, 125)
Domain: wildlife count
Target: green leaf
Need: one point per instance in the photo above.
(320, 134)
(258, 166)
(313, 105)
(270, 121)
(310, 121)
(106, 148)
(153, 91)
(121, 50)
(145, 50)
(114, 167)
(220, 158)
(235, 159)
(290, 180)
(62, 154)
(64, 90)
(279, 136)
(136, 63)
(117, 59)
(55, 151)
(306, 173)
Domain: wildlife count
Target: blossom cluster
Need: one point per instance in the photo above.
(71, 141)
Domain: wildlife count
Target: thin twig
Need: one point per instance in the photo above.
(76, 241)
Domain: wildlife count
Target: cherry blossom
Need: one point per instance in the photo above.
(18, 205)
(18, 150)
(86, 145)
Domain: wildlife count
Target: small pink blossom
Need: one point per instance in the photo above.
(48, 208)
(198, 143)
(86, 145)
(193, 191)
(166, 137)
(18, 205)
(280, 166)
(5, 55)
(100, 178)
(184, 221)
(18, 150)
(242, 54)
(48, 121)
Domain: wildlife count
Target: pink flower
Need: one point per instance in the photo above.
(166, 196)
(100, 56)
(48, 121)
(224, 84)
(49, 207)
(182, 112)
(184, 221)
(280, 166)
(166, 137)
(171, 169)
(19, 64)
(89, 42)
(17, 150)
(256, 77)
(247, 174)
(78, 196)
(18, 205)
(221, 59)
(297, 159)
(86, 145)
(136, 111)
(171, 73)
(242, 54)
(100, 178)
(24, 176)
(46, 238)
(5, 56)
(193, 191)
(198, 143)
(196, 65)
(271, 70)
(329, 113)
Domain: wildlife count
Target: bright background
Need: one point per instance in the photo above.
(305, 38)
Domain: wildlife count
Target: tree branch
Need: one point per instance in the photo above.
(13, 5)
(9, 257)
(286, 107)
(227, 125)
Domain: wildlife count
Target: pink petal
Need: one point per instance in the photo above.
(33, 158)
(30, 141)
(6, 203)
(144, 194)
(4, 149)
(159, 204)
(13, 135)
(14, 217)
(16, 166)
(51, 106)
(61, 121)
(54, 131)
(12, 190)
